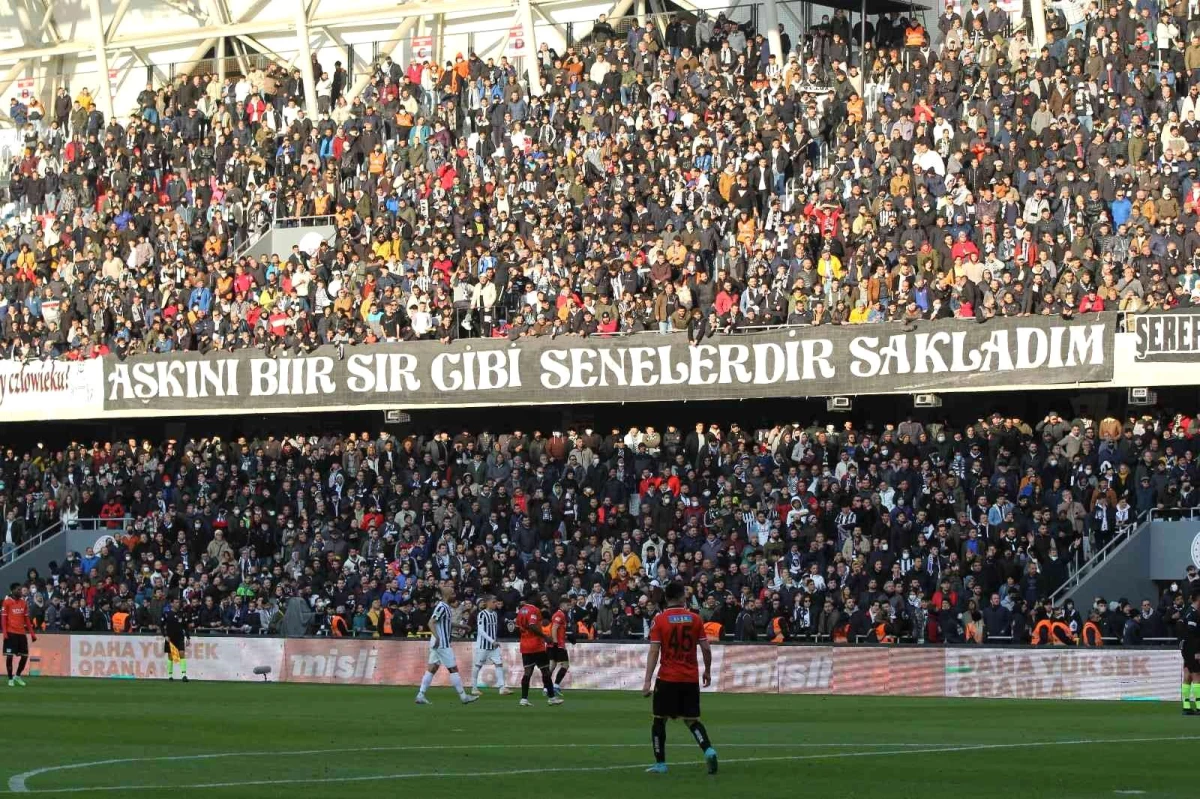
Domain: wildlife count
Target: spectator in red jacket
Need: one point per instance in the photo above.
(113, 512)
(1091, 302)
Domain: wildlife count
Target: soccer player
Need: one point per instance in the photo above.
(1189, 645)
(674, 635)
(17, 630)
(559, 660)
(533, 649)
(487, 644)
(440, 651)
(175, 637)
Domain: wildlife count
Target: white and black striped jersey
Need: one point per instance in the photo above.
(487, 630)
(441, 623)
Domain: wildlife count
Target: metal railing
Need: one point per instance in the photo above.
(32, 543)
(1173, 514)
(819, 640)
(1091, 564)
(112, 526)
(304, 221)
(1122, 536)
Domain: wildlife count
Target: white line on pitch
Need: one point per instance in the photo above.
(17, 784)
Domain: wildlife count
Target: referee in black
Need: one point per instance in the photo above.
(176, 635)
(1189, 645)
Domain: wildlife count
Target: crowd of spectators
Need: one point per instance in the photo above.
(693, 180)
(940, 532)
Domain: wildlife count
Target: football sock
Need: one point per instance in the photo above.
(547, 685)
(8, 664)
(700, 734)
(456, 681)
(475, 672)
(658, 737)
(21, 665)
(500, 678)
(426, 681)
(525, 680)
(183, 666)
(1184, 689)
(558, 678)
(1195, 693)
(170, 668)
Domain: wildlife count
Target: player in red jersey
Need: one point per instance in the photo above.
(17, 630)
(559, 660)
(533, 648)
(674, 635)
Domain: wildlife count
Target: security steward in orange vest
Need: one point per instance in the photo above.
(121, 621)
(882, 630)
(1091, 634)
(779, 629)
(1053, 631)
(337, 624)
(714, 630)
(914, 35)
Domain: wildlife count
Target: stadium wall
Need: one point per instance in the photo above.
(958, 672)
(484, 372)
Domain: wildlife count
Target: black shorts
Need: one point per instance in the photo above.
(677, 700)
(558, 654)
(16, 645)
(180, 646)
(1190, 664)
(539, 659)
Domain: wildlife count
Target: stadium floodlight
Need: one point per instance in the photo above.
(839, 404)
(927, 401)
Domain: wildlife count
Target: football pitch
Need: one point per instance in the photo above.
(80, 737)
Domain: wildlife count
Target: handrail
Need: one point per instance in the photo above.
(59, 526)
(1122, 535)
(1172, 514)
(32, 543)
(303, 221)
(252, 240)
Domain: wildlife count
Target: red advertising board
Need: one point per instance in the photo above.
(966, 672)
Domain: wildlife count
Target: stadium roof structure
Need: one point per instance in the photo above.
(874, 7)
(115, 47)
(45, 45)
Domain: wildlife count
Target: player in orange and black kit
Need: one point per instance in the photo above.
(533, 649)
(674, 635)
(17, 630)
(559, 660)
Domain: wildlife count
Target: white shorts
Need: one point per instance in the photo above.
(442, 656)
(486, 656)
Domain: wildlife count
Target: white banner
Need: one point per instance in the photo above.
(40, 390)
(142, 657)
(1061, 673)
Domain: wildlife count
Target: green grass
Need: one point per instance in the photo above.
(332, 741)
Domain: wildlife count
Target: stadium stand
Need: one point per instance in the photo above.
(920, 532)
(686, 180)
